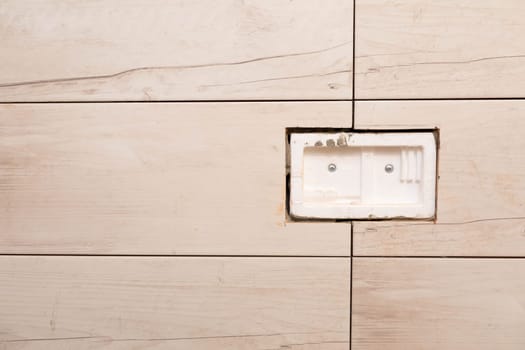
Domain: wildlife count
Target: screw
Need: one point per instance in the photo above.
(389, 168)
(332, 167)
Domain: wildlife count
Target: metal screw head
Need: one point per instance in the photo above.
(332, 167)
(389, 168)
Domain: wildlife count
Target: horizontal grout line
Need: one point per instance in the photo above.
(493, 257)
(177, 101)
(270, 256)
(274, 101)
(178, 255)
(439, 99)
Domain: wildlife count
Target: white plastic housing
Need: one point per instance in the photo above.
(363, 175)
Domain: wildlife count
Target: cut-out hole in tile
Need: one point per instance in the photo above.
(360, 175)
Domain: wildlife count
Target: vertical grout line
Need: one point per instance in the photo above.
(351, 280)
(353, 63)
(351, 223)
(351, 239)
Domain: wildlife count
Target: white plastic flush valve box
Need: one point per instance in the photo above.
(380, 175)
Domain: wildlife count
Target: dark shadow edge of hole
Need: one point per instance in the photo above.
(289, 218)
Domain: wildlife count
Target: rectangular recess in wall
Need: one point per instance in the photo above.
(350, 174)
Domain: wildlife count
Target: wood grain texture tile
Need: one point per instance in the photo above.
(438, 304)
(99, 50)
(162, 178)
(481, 192)
(447, 49)
(174, 303)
